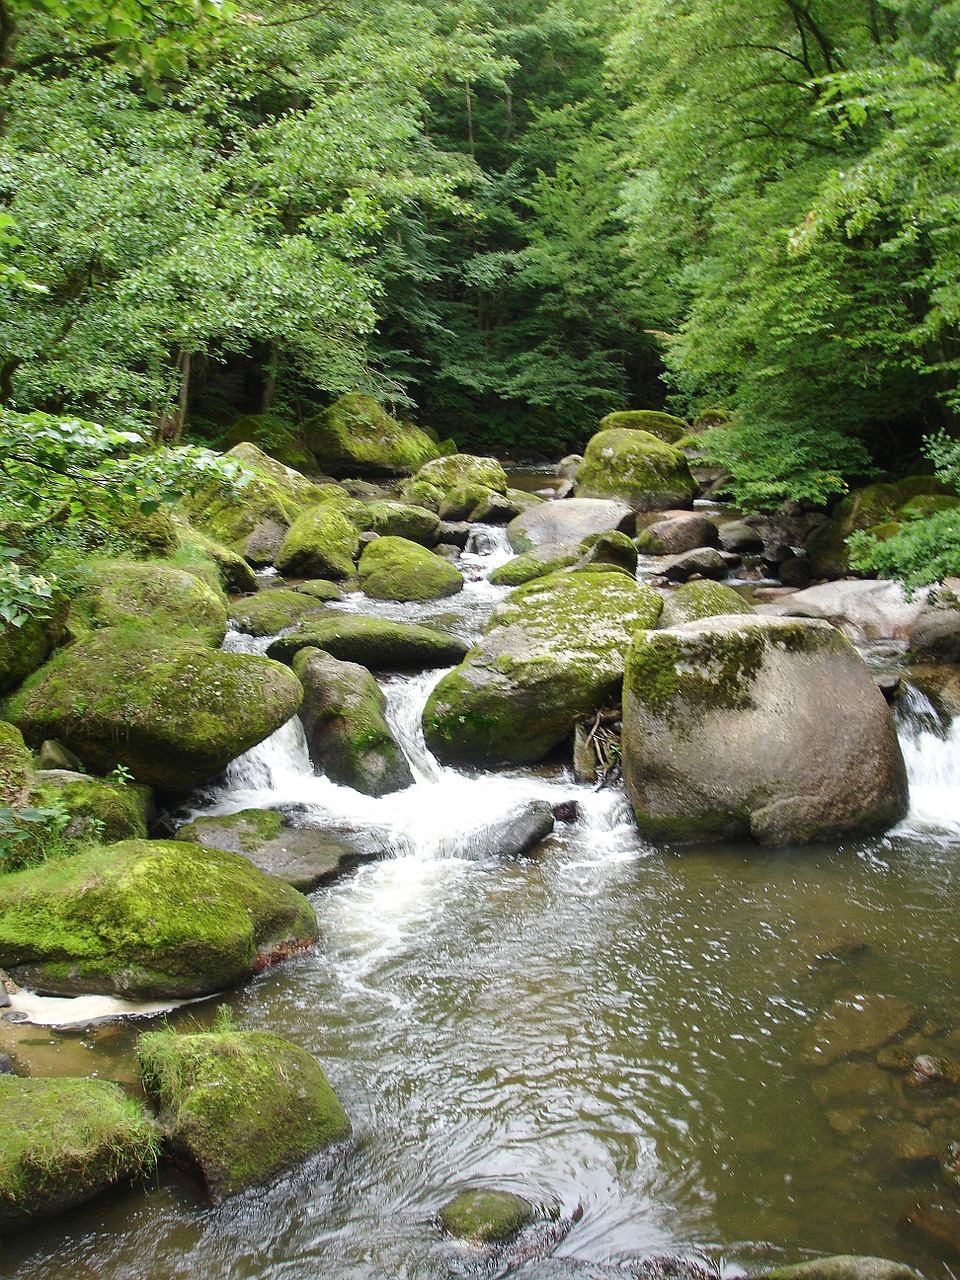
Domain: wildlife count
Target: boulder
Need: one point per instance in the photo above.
(239, 1107)
(26, 648)
(147, 920)
(856, 1022)
(273, 610)
(455, 485)
(844, 1267)
(373, 642)
(401, 520)
(535, 563)
(321, 543)
(98, 808)
(682, 531)
(64, 1141)
(608, 551)
(157, 595)
(299, 856)
(519, 832)
(637, 468)
(738, 536)
(276, 436)
(356, 436)
(873, 507)
(704, 562)
(880, 610)
(754, 726)
(397, 569)
(320, 589)
(696, 600)
(554, 653)
(344, 717)
(485, 1215)
(662, 425)
(172, 714)
(568, 466)
(16, 764)
(935, 636)
(568, 522)
(236, 576)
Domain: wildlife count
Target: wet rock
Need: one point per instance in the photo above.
(522, 831)
(535, 563)
(455, 532)
(569, 521)
(889, 685)
(937, 1224)
(854, 1084)
(936, 633)
(271, 611)
(928, 1071)
(880, 610)
(569, 1269)
(847, 1121)
(844, 1267)
(669, 1266)
(857, 1023)
(738, 536)
(680, 532)
(372, 642)
(910, 1147)
(566, 811)
(485, 1216)
(795, 571)
(705, 562)
(830, 948)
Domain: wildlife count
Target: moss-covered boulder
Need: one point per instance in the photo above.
(869, 508)
(236, 576)
(253, 521)
(344, 715)
(64, 1141)
(373, 642)
(147, 920)
(320, 589)
(455, 485)
(272, 610)
(568, 522)
(322, 543)
(171, 713)
(98, 808)
(844, 1266)
(15, 764)
(25, 648)
(484, 1215)
(696, 600)
(766, 727)
(156, 594)
(638, 468)
(606, 551)
(662, 425)
(402, 520)
(551, 557)
(554, 653)
(275, 436)
(397, 569)
(239, 1107)
(356, 436)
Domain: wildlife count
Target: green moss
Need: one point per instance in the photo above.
(357, 436)
(251, 829)
(535, 563)
(25, 648)
(234, 574)
(397, 569)
(433, 483)
(662, 425)
(147, 919)
(239, 1106)
(485, 1216)
(696, 600)
(15, 764)
(637, 467)
(322, 543)
(373, 642)
(866, 508)
(275, 436)
(156, 594)
(320, 589)
(98, 809)
(63, 1141)
(401, 520)
(273, 609)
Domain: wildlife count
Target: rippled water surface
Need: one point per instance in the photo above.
(603, 1026)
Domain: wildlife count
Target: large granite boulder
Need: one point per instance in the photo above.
(402, 520)
(147, 920)
(662, 425)
(236, 575)
(344, 717)
(271, 611)
(373, 642)
(676, 533)
(456, 486)
(154, 594)
(637, 468)
(64, 1141)
(878, 610)
(321, 543)
(239, 1107)
(766, 727)
(393, 568)
(568, 522)
(696, 600)
(25, 648)
(554, 653)
(356, 436)
(172, 714)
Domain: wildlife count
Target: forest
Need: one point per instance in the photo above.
(503, 221)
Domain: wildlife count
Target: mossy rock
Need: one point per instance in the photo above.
(695, 600)
(554, 653)
(171, 713)
(272, 610)
(25, 648)
(486, 1216)
(356, 436)
(157, 595)
(609, 550)
(535, 563)
(844, 1267)
(662, 425)
(866, 508)
(147, 920)
(98, 808)
(320, 589)
(275, 436)
(470, 477)
(16, 764)
(356, 509)
(398, 569)
(928, 504)
(236, 576)
(239, 1107)
(638, 468)
(322, 543)
(64, 1141)
(344, 715)
(373, 642)
(401, 520)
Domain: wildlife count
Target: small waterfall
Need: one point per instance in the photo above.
(487, 548)
(931, 751)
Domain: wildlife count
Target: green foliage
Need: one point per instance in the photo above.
(31, 834)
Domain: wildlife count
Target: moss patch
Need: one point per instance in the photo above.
(25, 648)
(156, 594)
(98, 809)
(239, 1106)
(637, 467)
(322, 543)
(662, 425)
(486, 1216)
(272, 610)
(356, 436)
(398, 569)
(15, 764)
(458, 472)
(373, 642)
(535, 563)
(696, 600)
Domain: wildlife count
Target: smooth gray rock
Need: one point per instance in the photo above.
(880, 610)
(676, 533)
(571, 520)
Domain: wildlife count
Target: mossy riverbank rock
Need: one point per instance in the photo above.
(664, 426)
(147, 919)
(26, 648)
(356, 436)
(486, 1216)
(740, 726)
(236, 576)
(275, 436)
(456, 485)
(568, 522)
(157, 595)
(696, 600)
(535, 563)
(638, 468)
(554, 653)
(401, 520)
(679, 532)
(16, 764)
(64, 1141)
(373, 642)
(844, 1266)
(239, 1107)
(322, 543)
(98, 807)
(397, 569)
(270, 611)
(344, 715)
(171, 713)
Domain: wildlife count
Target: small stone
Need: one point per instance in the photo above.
(566, 811)
(485, 1216)
(857, 1022)
(927, 1071)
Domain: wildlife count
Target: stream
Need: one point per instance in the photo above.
(614, 1030)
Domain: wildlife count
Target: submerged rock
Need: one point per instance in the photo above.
(64, 1141)
(844, 1267)
(147, 919)
(486, 1216)
(856, 1023)
(937, 1224)
(726, 734)
(239, 1107)
(373, 642)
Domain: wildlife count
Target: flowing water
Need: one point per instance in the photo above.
(614, 1030)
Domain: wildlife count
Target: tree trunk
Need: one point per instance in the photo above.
(469, 102)
(269, 391)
